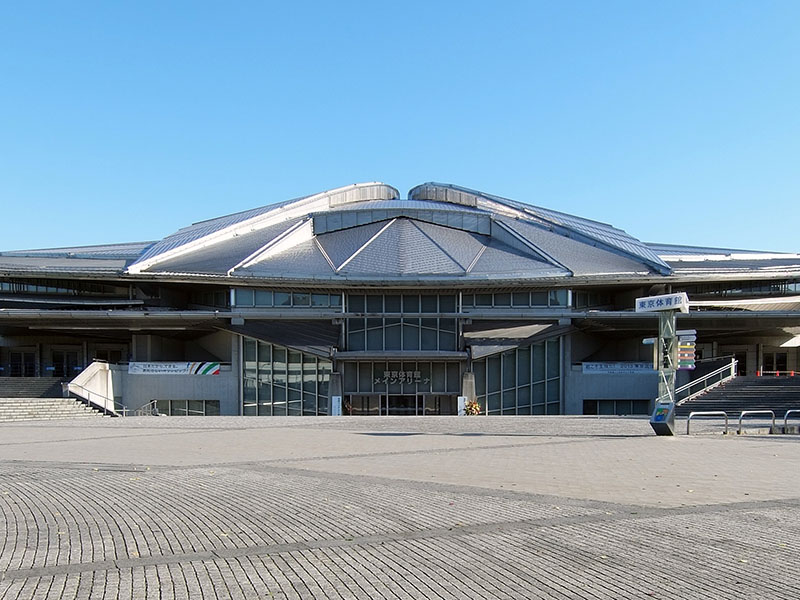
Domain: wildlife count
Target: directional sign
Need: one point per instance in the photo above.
(678, 301)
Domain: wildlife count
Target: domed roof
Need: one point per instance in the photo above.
(366, 233)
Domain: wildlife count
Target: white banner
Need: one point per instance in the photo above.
(173, 368)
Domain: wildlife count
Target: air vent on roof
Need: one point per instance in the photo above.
(360, 192)
(442, 193)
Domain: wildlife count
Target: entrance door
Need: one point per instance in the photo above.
(775, 361)
(741, 363)
(22, 363)
(64, 363)
(363, 404)
(401, 405)
(439, 404)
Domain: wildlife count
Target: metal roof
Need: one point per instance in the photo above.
(364, 233)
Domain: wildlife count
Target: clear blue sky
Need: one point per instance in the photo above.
(676, 121)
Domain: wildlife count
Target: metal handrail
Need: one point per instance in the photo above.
(730, 367)
(786, 417)
(148, 410)
(88, 395)
(755, 412)
(707, 413)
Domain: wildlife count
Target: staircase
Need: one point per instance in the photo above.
(28, 398)
(778, 394)
(27, 409)
(30, 387)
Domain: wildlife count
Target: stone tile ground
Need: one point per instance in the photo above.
(510, 507)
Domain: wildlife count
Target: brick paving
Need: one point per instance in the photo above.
(507, 507)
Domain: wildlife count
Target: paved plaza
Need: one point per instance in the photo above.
(373, 507)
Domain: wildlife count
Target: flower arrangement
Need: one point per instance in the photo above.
(472, 408)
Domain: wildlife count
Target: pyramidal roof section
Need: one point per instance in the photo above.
(586, 230)
(207, 233)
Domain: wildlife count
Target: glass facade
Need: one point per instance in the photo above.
(523, 381)
(532, 299)
(395, 377)
(280, 381)
(260, 298)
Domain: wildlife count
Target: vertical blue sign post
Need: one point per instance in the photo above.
(666, 358)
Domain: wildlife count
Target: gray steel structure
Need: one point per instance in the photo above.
(399, 305)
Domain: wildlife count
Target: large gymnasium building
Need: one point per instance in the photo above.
(398, 306)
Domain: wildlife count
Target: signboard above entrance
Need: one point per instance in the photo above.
(678, 301)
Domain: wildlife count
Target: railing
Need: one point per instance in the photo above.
(707, 413)
(786, 417)
(148, 410)
(755, 412)
(706, 383)
(99, 401)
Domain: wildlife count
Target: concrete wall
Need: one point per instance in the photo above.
(138, 390)
(580, 386)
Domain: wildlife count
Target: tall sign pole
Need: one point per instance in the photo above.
(666, 357)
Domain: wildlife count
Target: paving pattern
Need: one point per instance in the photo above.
(510, 507)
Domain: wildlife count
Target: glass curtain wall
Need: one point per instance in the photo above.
(401, 333)
(280, 381)
(522, 381)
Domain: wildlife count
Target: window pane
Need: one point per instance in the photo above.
(429, 339)
(429, 303)
(212, 408)
(375, 339)
(509, 370)
(336, 300)
(538, 362)
(355, 341)
(453, 378)
(410, 335)
(410, 303)
(279, 366)
(355, 303)
(483, 299)
(393, 335)
(447, 303)
(263, 298)
(243, 297)
(301, 299)
(509, 402)
(521, 299)
(375, 304)
(538, 298)
(281, 299)
(502, 299)
(523, 366)
(295, 370)
(320, 299)
(479, 369)
(468, 300)
(493, 374)
(553, 362)
(309, 374)
(439, 377)
(447, 341)
(392, 303)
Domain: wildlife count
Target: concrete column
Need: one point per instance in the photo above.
(468, 386)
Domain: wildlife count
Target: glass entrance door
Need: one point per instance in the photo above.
(363, 404)
(775, 361)
(22, 363)
(401, 404)
(439, 404)
(65, 363)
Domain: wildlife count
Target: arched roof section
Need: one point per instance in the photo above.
(584, 230)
